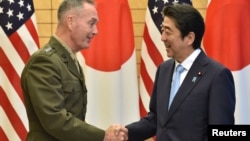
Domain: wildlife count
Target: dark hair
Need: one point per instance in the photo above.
(187, 19)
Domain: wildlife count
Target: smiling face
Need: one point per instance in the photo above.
(82, 26)
(177, 47)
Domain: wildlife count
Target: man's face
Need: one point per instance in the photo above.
(84, 27)
(171, 36)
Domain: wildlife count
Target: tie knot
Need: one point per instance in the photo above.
(180, 68)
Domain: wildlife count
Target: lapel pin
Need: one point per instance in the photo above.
(199, 73)
(194, 79)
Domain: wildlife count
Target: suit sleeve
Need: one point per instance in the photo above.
(222, 98)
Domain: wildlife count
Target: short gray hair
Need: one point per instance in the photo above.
(67, 5)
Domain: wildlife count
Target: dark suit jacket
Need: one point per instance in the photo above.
(206, 96)
(56, 97)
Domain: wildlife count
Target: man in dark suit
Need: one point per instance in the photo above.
(53, 83)
(206, 94)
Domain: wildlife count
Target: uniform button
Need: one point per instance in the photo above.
(63, 55)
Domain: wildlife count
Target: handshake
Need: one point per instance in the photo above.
(116, 132)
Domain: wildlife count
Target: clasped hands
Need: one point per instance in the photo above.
(116, 132)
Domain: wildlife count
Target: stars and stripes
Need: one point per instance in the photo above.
(18, 40)
(153, 50)
(14, 14)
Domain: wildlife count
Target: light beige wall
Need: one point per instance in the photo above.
(46, 19)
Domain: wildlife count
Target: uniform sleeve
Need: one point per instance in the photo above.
(43, 82)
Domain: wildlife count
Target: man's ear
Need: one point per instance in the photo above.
(70, 22)
(190, 38)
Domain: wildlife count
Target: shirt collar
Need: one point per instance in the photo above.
(187, 63)
(73, 56)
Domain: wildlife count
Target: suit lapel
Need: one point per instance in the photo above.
(164, 92)
(193, 77)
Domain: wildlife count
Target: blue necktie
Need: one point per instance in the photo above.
(176, 83)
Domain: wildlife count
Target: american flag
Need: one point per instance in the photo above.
(18, 40)
(153, 50)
